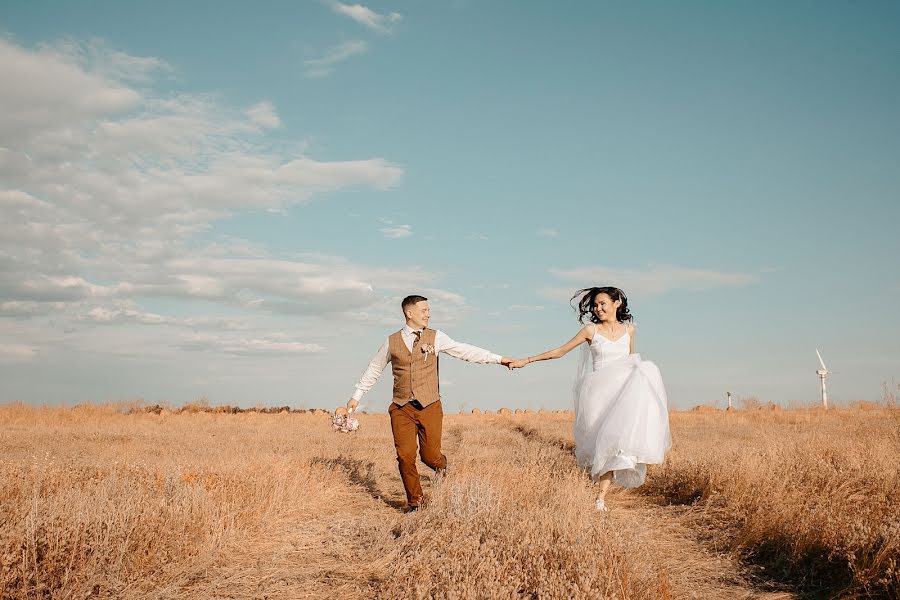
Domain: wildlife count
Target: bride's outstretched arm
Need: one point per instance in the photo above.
(582, 336)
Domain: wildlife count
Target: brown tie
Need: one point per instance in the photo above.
(418, 335)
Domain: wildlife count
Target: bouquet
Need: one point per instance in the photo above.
(344, 421)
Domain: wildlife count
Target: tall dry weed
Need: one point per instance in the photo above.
(99, 503)
(810, 496)
(815, 493)
(512, 518)
(96, 502)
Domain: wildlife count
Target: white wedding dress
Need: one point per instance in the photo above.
(621, 415)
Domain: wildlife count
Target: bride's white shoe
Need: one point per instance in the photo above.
(601, 506)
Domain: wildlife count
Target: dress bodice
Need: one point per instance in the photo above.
(604, 351)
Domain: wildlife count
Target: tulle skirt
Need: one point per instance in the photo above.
(621, 420)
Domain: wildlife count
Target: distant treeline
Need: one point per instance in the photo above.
(225, 409)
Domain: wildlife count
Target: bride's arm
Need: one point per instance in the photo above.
(631, 333)
(582, 336)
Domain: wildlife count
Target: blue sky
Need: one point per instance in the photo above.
(228, 200)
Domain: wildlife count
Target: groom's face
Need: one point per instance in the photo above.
(418, 314)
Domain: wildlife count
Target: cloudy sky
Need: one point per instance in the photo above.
(228, 200)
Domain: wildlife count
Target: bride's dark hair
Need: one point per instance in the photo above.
(589, 295)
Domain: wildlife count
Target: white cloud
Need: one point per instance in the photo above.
(249, 346)
(321, 67)
(107, 315)
(44, 288)
(400, 231)
(52, 94)
(394, 231)
(98, 57)
(90, 145)
(29, 308)
(123, 312)
(652, 280)
(105, 188)
(264, 115)
(493, 285)
(548, 233)
(366, 16)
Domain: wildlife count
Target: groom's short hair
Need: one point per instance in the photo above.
(410, 300)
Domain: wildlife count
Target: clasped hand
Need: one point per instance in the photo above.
(517, 364)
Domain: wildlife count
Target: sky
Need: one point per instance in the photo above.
(228, 200)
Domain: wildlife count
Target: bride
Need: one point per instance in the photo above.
(621, 418)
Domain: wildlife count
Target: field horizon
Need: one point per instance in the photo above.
(890, 399)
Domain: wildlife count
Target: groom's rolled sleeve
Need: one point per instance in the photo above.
(466, 352)
(372, 372)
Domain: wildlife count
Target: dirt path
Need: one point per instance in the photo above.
(351, 548)
(690, 553)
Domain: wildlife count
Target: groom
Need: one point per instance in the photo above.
(416, 410)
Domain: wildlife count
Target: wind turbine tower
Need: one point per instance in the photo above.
(823, 374)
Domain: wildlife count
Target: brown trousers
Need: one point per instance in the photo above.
(408, 424)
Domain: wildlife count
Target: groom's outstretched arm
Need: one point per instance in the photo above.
(467, 352)
(370, 375)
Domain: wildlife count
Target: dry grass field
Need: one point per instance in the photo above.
(97, 503)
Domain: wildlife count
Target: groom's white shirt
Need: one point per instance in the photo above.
(442, 343)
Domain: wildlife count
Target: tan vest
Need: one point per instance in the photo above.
(415, 373)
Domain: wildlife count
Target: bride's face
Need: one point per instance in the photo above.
(605, 308)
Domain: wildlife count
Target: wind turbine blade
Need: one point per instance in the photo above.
(821, 362)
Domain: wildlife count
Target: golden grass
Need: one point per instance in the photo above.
(98, 503)
(816, 490)
(811, 495)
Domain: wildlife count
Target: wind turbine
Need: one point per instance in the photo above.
(823, 374)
